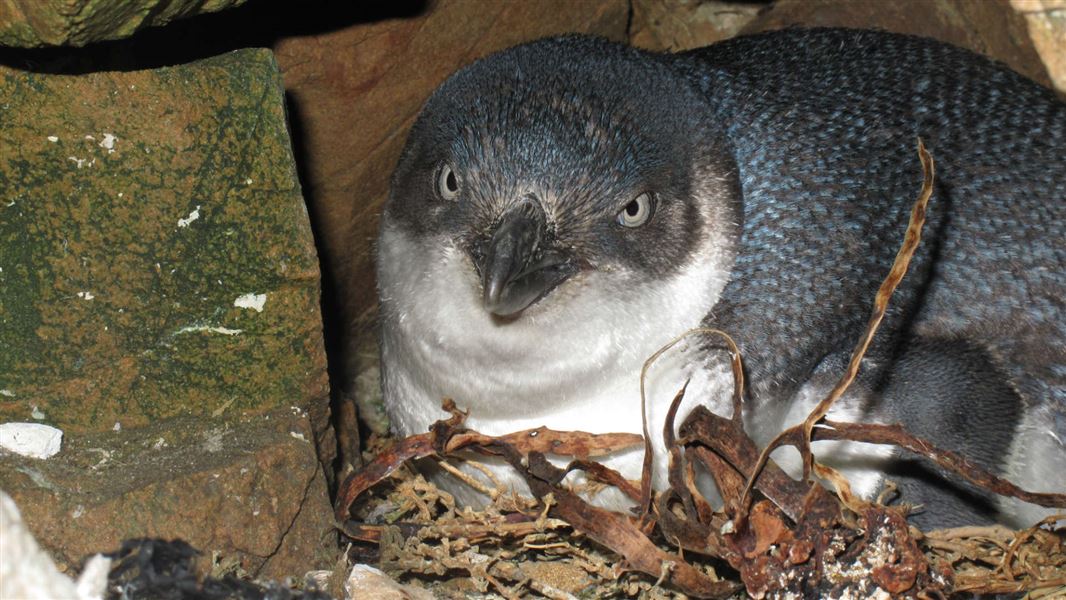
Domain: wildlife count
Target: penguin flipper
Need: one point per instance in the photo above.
(952, 394)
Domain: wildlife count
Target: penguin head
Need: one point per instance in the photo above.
(556, 166)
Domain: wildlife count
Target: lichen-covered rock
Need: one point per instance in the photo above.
(250, 489)
(155, 253)
(31, 23)
(159, 303)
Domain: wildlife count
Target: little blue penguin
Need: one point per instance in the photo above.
(564, 208)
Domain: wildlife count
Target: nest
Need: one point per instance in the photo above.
(774, 536)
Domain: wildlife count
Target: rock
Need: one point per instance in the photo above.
(28, 573)
(31, 23)
(157, 569)
(990, 28)
(139, 212)
(677, 25)
(1046, 22)
(31, 439)
(366, 386)
(368, 583)
(250, 489)
(159, 302)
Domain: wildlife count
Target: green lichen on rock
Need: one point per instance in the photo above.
(31, 23)
(155, 253)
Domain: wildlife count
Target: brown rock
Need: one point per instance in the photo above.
(30, 23)
(27, 572)
(1046, 21)
(250, 489)
(990, 28)
(368, 583)
(677, 25)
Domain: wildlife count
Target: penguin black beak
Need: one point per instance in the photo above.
(519, 266)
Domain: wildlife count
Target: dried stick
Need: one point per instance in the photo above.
(738, 395)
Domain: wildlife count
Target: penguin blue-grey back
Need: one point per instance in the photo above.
(989, 280)
(564, 208)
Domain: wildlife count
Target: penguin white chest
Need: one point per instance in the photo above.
(571, 362)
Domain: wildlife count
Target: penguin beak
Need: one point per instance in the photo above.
(519, 266)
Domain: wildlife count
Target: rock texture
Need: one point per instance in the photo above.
(1046, 21)
(155, 256)
(250, 489)
(677, 25)
(159, 302)
(28, 573)
(369, 583)
(31, 23)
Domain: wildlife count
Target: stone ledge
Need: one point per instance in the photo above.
(249, 488)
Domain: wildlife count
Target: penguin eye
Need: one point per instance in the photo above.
(637, 212)
(447, 183)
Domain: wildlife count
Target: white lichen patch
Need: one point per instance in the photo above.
(105, 457)
(7, 392)
(213, 440)
(31, 439)
(108, 142)
(36, 413)
(209, 329)
(255, 302)
(85, 295)
(194, 215)
(82, 162)
(53, 138)
(298, 435)
(38, 478)
(218, 412)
